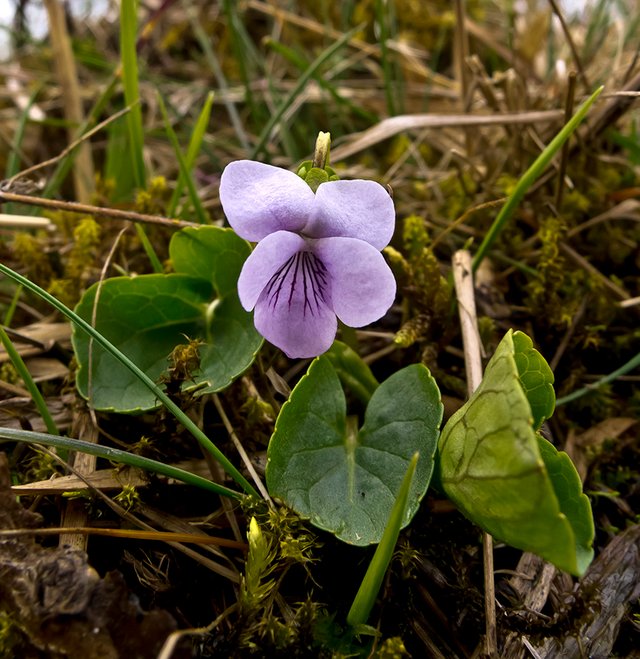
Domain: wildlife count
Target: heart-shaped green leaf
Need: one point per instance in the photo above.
(342, 480)
(210, 253)
(146, 317)
(353, 372)
(492, 468)
(536, 378)
(573, 502)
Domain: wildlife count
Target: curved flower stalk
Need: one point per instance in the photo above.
(318, 254)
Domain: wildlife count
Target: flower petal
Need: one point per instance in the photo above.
(259, 199)
(362, 284)
(266, 259)
(294, 309)
(355, 209)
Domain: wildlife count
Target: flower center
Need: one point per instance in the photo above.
(302, 282)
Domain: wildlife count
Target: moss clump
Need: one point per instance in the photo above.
(419, 272)
(154, 199)
(546, 290)
(80, 266)
(33, 258)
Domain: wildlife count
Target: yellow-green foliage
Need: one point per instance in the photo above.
(392, 648)
(457, 190)
(506, 184)
(41, 467)
(9, 636)
(419, 273)
(33, 258)
(153, 200)
(64, 290)
(83, 254)
(80, 264)
(575, 202)
(277, 539)
(9, 374)
(546, 290)
(128, 497)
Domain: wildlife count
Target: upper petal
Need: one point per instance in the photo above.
(362, 284)
(259, 199)
(294, 309)
(355, 209)
(266, 259)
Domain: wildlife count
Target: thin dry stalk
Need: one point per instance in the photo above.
(65, 64)
(7, 185)
(390, 127)
(95, 211)
(564, 154)
(243, 454)
(75, 512)
(222, 570)
(572, 45)
(463, 278)
(461, 53)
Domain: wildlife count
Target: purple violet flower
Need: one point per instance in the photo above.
(318, 254)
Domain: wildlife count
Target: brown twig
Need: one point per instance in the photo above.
(243, 454)
(163, 536)
(6, 185)
(98, 211)
(564, 154)
(65, 64)
(133, 519)
(572, 46)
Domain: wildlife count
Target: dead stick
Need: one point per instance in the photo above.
(572, 45)
(564, 156)
(463, 278)
(87, 209)
(65, 65)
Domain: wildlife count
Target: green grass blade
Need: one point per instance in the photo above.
(195, 143)
(117, 455)
(13, 305)
(632, 364)
(13, 160)
(530, 176)
(370, 586)
(204, 42)
(291, 56)
(204, 441)
(302, 81)
(381, 11)
(64, 165)
(243, 50)
(129, 59)
(184, 168)
(156, 264)
(32, 387)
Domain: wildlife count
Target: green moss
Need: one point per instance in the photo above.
(10, 636)
(33, 258)
(9, 374)
(547, 291)
(425, 288)
(154, 199)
